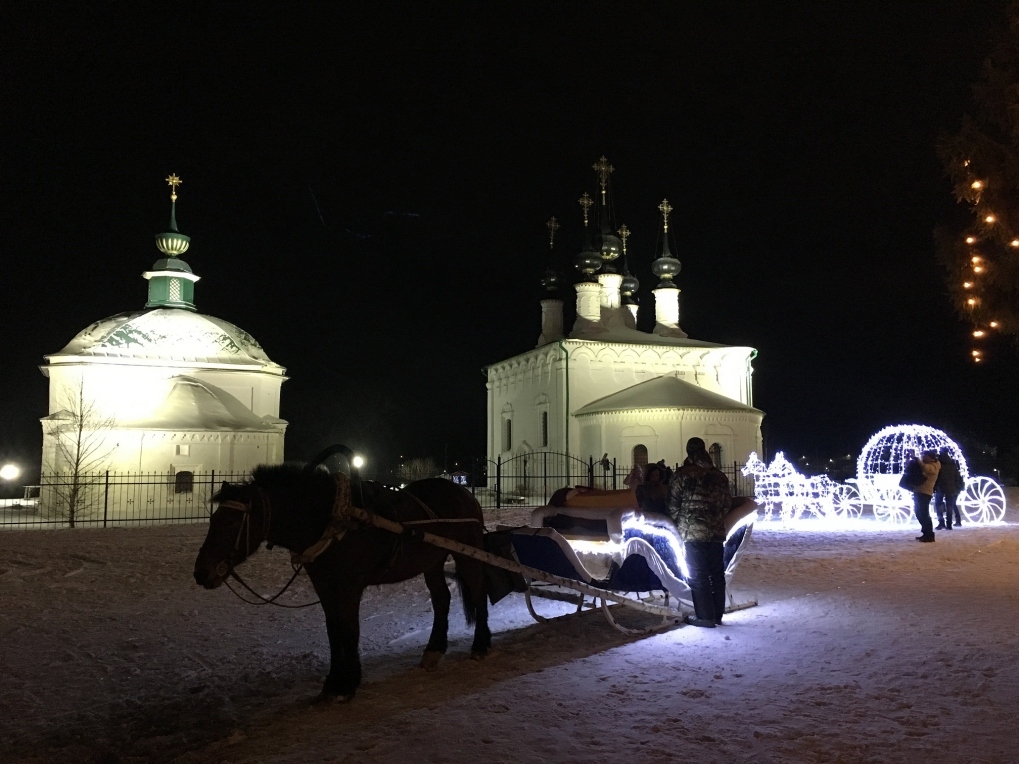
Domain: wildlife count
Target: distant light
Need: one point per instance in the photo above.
(971, 301)
(979, 333)
(970, 239)
(358, 462)
(990, 219)
(1014, 242)
(977, 185)
(978, 269)
(994, 324)
(10, 472)
(974, 259)
(967, 284)
(976, 353)
(977, 360)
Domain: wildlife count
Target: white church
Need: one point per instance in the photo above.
(607, 389)
(165, 389)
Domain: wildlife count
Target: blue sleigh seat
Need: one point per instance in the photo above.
(620, 549)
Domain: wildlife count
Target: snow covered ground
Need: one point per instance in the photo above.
(866, 647)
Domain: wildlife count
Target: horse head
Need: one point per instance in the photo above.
(237, 528)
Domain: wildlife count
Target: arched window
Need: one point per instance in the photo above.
(184, 482)
(544, 429)
(507, 433)
(716, 453)
(640, 455)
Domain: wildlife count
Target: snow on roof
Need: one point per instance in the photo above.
(663, 393)
(196, 405)
(167, 334)
(620, 333)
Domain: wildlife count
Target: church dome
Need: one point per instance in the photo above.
(167, 335)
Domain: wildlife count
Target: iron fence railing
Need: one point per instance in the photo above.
(529, 480)
(106, 499)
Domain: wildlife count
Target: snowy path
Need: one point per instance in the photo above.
(867, 647)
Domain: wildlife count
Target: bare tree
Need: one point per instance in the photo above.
(418, 469)
(80, 453)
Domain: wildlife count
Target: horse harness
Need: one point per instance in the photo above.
(342, 521)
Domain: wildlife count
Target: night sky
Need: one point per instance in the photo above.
(366, 193)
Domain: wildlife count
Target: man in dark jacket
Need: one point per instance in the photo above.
(946, 491)
(699, 498)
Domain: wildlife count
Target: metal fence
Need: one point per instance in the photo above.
(108, 499)
(529, 480)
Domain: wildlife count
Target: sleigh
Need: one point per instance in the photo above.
(608, 545)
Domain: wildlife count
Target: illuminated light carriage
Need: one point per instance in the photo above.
(784, 493)
(882, 461)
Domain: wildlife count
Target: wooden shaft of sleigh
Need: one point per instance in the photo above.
(500, 562)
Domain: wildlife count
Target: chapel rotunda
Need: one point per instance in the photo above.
(164, 389)
(608, 389)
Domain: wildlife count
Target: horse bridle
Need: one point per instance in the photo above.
(245, 508)
(245, 532)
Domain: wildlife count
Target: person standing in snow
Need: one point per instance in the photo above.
(946, 491)
(924, 474)
(699, 498)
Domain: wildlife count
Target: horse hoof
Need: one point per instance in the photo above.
(430, 660)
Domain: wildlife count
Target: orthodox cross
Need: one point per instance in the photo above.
(665, 208)
(173, 181)
(585, 202)
(624, 234)
(553, 226)
(604, 169)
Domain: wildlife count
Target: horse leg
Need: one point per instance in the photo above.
(470, 575)
(435, 579)
(342, 609)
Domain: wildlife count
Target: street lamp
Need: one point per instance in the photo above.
(358, 462)
(10, 472)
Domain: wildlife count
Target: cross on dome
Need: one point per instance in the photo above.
(665, 208)
(586, 203)
(553, 226)
(173, 181)
(603, 169)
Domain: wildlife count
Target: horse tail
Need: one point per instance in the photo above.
(470, 573)
(467, 593)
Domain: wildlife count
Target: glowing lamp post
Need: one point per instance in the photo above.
(10, 472)
(358, 462)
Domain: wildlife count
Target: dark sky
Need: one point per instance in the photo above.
(366, 188)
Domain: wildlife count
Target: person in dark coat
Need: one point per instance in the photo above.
(699, 498)
(653, 493)
(946, 491)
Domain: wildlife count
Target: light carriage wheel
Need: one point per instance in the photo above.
(846, 502)
(892, 505)
(982, 501)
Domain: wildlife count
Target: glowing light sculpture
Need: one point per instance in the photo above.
(883, 459)
(781, 490)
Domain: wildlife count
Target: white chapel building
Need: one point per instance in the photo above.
(165, 389)
(607, 389)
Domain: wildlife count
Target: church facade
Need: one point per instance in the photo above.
(165, 389)
(609, 390)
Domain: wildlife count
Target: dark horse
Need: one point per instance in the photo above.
(291, 506)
